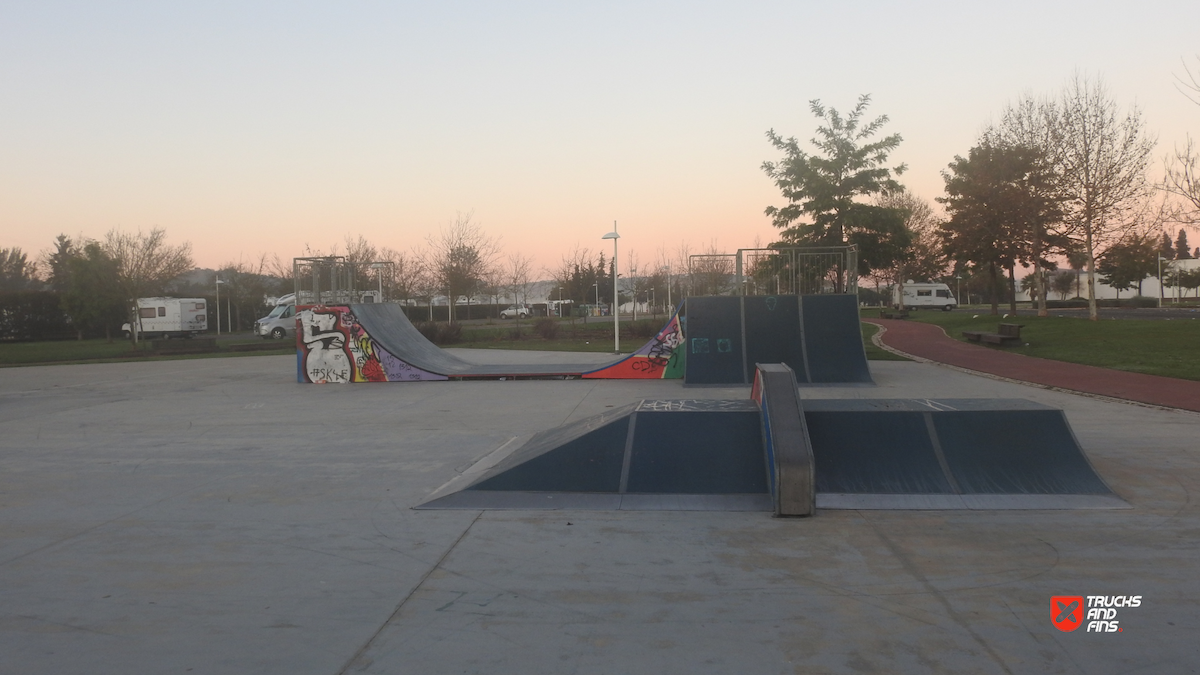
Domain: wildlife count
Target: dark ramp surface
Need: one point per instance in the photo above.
(697, 452)
(949, 454)
(1015, 452)
(874, 452)
(867, 454)
(833, 339)
(654, 455)
(582, 457)
(817, 336)
(773, 333)
(714, 340)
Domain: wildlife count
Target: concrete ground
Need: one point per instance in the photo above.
(213, 516)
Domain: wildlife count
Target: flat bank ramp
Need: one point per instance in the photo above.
(949, 454)
(723, 455)
(686, 455)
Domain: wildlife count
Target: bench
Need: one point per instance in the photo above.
(1005, 333)
(884, 314)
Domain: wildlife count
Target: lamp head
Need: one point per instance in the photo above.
(611, 235)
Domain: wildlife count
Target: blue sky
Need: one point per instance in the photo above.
(249, 128)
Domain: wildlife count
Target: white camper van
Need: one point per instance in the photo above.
(925, 295)
(169, 318)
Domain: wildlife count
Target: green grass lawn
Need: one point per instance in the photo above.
(102, 351)
(1170, 348)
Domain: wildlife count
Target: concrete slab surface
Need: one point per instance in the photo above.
(215, 516)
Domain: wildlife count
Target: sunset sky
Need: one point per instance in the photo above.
(253, 127)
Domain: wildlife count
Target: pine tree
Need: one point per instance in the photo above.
(1165, 248)
(1182, 250)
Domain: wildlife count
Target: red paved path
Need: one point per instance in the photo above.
(931, 342)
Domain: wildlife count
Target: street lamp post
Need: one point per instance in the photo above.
(958, 289)
(218, 285)
(616, 300)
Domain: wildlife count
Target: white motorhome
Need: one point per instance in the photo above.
(169, 318)
(925, 295)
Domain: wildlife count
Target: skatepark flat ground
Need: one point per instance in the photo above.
(215, 516)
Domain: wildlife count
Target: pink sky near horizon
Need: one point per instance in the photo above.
(266, 128)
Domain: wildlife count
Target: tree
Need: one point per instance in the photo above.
(924, 258)
(1183, 168)
(999, 210)
(145, 263)
(244, 287)
(1165, 248)
(1182, 250)
(408, 273)
(1126, 263)
(1103, 163)
(91, 293)
(1030, 128)
(16, 272)
(460, 257)
(1062, 282)
(825, 192)
(64, 251)
(516, 279)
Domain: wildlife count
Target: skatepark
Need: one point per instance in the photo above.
(219, 517)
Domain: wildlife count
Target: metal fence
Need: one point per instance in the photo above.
(333, 279)
(809, 270)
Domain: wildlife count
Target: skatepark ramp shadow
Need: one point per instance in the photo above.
(774, 453)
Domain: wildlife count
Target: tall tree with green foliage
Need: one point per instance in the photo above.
(91, 292)
(1165, 248)
(57, 260)
(17, 273)
(1183, 250)
(1126, 263)
(827, 192)
(999, 209)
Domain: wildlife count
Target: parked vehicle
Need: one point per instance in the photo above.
(280, 323)
(515, 311)
(169, 318)
(925, 295)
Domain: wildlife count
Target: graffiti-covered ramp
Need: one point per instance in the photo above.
(378, 343)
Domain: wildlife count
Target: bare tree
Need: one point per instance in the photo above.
(711, 272)
(1104, 158)
(1183, 167)
(460, 257)
(145, 264)
(246, 284)
(923, 259)
(407, 270)
(516, 272)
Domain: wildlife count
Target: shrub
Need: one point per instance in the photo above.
(643, 328)
(547, 328)
(441, 333)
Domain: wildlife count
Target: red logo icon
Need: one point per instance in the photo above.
(1066, 612)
